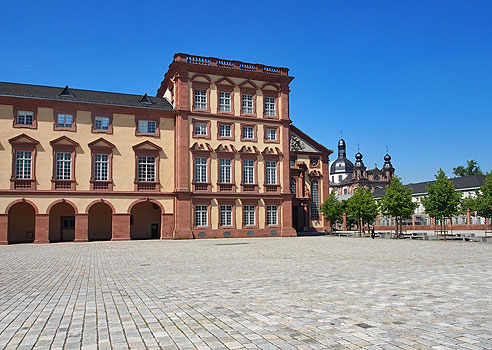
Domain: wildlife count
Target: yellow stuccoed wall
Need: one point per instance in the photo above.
(123, 138)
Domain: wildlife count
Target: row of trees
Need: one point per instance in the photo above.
(441, 203)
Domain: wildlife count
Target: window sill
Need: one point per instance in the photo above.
(143, 186)
(63, 185)
(22, 184)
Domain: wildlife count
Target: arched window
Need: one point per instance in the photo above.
(315, 199)
(293, 185)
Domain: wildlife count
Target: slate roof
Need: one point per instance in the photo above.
(460, 183)
(82, 96)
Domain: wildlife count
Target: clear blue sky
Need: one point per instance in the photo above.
(413, 75)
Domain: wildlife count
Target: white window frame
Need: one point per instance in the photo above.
(101, 167)
(63, 168)
(247, 103)
(147, 126)
(248, 132)
(146, 168)
(23, 165)
(248, 171)
(201, 215)
(25, 118)
(225, 170)
(64, 120)
(272, 215)
(270, 134)
(270, 172)
(225, 130)
(249, 215)
(224, 101)
(270, 106)
(201, 128)
(226, 215)
(101, 123)
(201, 164)
(200, 98)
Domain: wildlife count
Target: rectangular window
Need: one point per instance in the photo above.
(201, 170)
(224, 130)
(63, 165)
(23, 164)
(201, 129)
(225, 170)
(270, 134)
(247, 104)
(248, 132)
(102, 123)
(68, 222)
(200, 98)
(224, 101)
(146, 169)
(271, 172)
(25, 117)
(270, 106)
(272, 215)
(101, 167)
(64, 120)
(248, 171)
(147, 126)
(226, 215)
(249, 215)
(201, 215)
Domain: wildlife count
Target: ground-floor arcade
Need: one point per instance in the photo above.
(48, 219)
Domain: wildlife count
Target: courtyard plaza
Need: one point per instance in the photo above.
(252, 293)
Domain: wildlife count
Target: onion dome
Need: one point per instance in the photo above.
(341, 165)
(387, 162)
(358, 160)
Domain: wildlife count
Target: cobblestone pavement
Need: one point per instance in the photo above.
(255, 293)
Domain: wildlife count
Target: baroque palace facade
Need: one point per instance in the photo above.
(213, 155)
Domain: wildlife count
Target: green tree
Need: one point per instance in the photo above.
(471, 168)
(332, 209)
(362, 206)
(468, 203)
(397, 202)
(484, 198)
(442, 201)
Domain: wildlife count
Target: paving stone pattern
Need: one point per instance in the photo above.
(253, 293)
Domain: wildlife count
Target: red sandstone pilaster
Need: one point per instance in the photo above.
(468, 218)
(4, 227)
(81, 227)
(167, 226)
(42, 228)
(182, 216)
(344, 228)
(120, 227)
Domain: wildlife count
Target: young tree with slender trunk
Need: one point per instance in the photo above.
(442, 201)
(362, 206)
(484, 198)
(397, 202)
(332, 209)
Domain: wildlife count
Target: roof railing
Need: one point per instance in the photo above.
(218, 62)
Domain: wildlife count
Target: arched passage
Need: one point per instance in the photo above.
(145, 220)
(21, 223)
(100, 222)
(62, 221)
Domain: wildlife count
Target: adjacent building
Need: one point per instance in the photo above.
(213, 154)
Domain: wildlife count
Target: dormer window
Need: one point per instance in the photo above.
(65, 121)
(25, 117)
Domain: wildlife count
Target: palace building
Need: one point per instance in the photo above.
(213, 154)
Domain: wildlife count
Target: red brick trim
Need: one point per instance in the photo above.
(255, 137)
(208, 203)
(23, 142)
(154, 151)
(195, 136)
(102, 146)
(19, 108)
(22, 200)
(113, 210)
(62, 201)
(66, 145)
(277, 134)
(231, 124)
(250, 202)
(278, 203)
(105, 115)
(231, 202)
(155, 119)
(72, 112)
